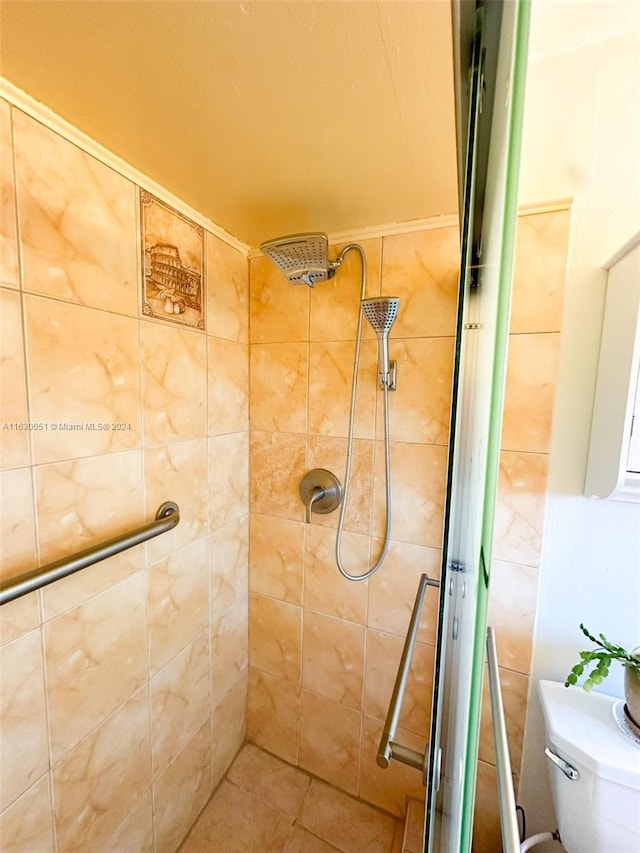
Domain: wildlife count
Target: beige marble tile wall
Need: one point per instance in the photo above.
(123, 687)
(324, 651)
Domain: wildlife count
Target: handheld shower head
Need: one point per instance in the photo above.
(303, 258)
(381, 313)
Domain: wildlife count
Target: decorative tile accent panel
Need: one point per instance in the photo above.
(172, 264)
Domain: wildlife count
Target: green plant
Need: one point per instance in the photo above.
(600, 658)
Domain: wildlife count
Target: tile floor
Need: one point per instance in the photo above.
(266, 806)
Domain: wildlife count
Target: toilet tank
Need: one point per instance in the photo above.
(600, 811)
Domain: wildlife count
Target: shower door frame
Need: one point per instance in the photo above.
(490, 47)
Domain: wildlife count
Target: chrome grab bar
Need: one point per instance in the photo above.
(389, 748)
(167, 517)
(506, 796)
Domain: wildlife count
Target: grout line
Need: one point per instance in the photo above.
(16, 207)
(20, 289)
(50, 763)
(303, 607)
(53, 810)
(147, 605)
(38, 294)
(312, 778)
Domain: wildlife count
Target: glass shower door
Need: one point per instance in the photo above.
(491, 46)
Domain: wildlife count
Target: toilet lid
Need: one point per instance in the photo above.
(581, 726)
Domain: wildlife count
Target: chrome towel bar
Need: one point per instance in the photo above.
(167, 517)
(506, 796)
(388, 748)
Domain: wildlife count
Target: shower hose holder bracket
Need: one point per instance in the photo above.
(391, 376)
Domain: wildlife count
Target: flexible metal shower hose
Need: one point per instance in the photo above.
(387, 453)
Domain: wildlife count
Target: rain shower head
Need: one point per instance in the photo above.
(302, 258)
(381, 313)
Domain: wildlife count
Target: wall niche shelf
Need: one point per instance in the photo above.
(613, 469)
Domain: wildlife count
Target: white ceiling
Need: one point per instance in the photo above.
(267, 117)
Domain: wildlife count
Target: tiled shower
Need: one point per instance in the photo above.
(128, 689)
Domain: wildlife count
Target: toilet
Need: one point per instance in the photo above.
(595, 771)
